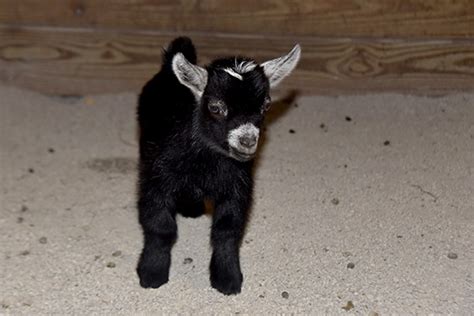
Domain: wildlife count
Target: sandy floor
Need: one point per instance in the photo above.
(369, 201)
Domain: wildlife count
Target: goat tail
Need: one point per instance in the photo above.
(182, 45)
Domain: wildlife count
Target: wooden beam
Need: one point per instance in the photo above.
(80, 61)
(320, 18)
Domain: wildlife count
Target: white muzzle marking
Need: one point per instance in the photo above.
(244, 130)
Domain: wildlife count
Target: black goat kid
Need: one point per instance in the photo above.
(199, 129)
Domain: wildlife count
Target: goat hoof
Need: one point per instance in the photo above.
(227, 284)
(152, 279)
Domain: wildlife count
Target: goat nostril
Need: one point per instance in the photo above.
(248, 141)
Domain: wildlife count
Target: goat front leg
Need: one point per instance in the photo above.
(227, 231)
(159, 231)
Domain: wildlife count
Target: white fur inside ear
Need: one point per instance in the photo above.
(277, 69)
(192, 76)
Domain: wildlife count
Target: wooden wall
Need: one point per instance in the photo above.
(349, 46)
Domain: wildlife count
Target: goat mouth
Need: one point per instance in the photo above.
(241, 156)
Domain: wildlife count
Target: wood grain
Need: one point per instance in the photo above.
(78, 62)
(316, 18)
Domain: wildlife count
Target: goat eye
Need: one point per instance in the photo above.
(217, 109)
(214, 109)
(267, 104)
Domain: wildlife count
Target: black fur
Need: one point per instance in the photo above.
(183, 159)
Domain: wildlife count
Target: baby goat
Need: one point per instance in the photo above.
(199, 129)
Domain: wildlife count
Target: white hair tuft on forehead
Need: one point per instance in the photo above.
(240, 68)
(232, 72)
(244, 66)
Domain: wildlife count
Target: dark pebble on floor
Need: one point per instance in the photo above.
(285, 294)
(292, 131)
(386, 143)
(43, 240)
(51, 150)
(24, 208)
(350, 265)
(116, 253)
(25, 253)
(348, 306)
(335, 201)
(348, 118)
(187, 260)
(110, 265)
(452, 255)
(399, 236)
(31, 170)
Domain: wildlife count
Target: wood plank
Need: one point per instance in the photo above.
(323, 18)
(73, 62)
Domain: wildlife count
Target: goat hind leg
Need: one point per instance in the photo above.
(160, 232)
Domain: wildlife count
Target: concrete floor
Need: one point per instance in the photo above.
(369, 201)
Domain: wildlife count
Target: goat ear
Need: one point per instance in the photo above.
(190, 75)
(278, 68)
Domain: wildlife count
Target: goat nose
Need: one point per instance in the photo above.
(248, 141)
